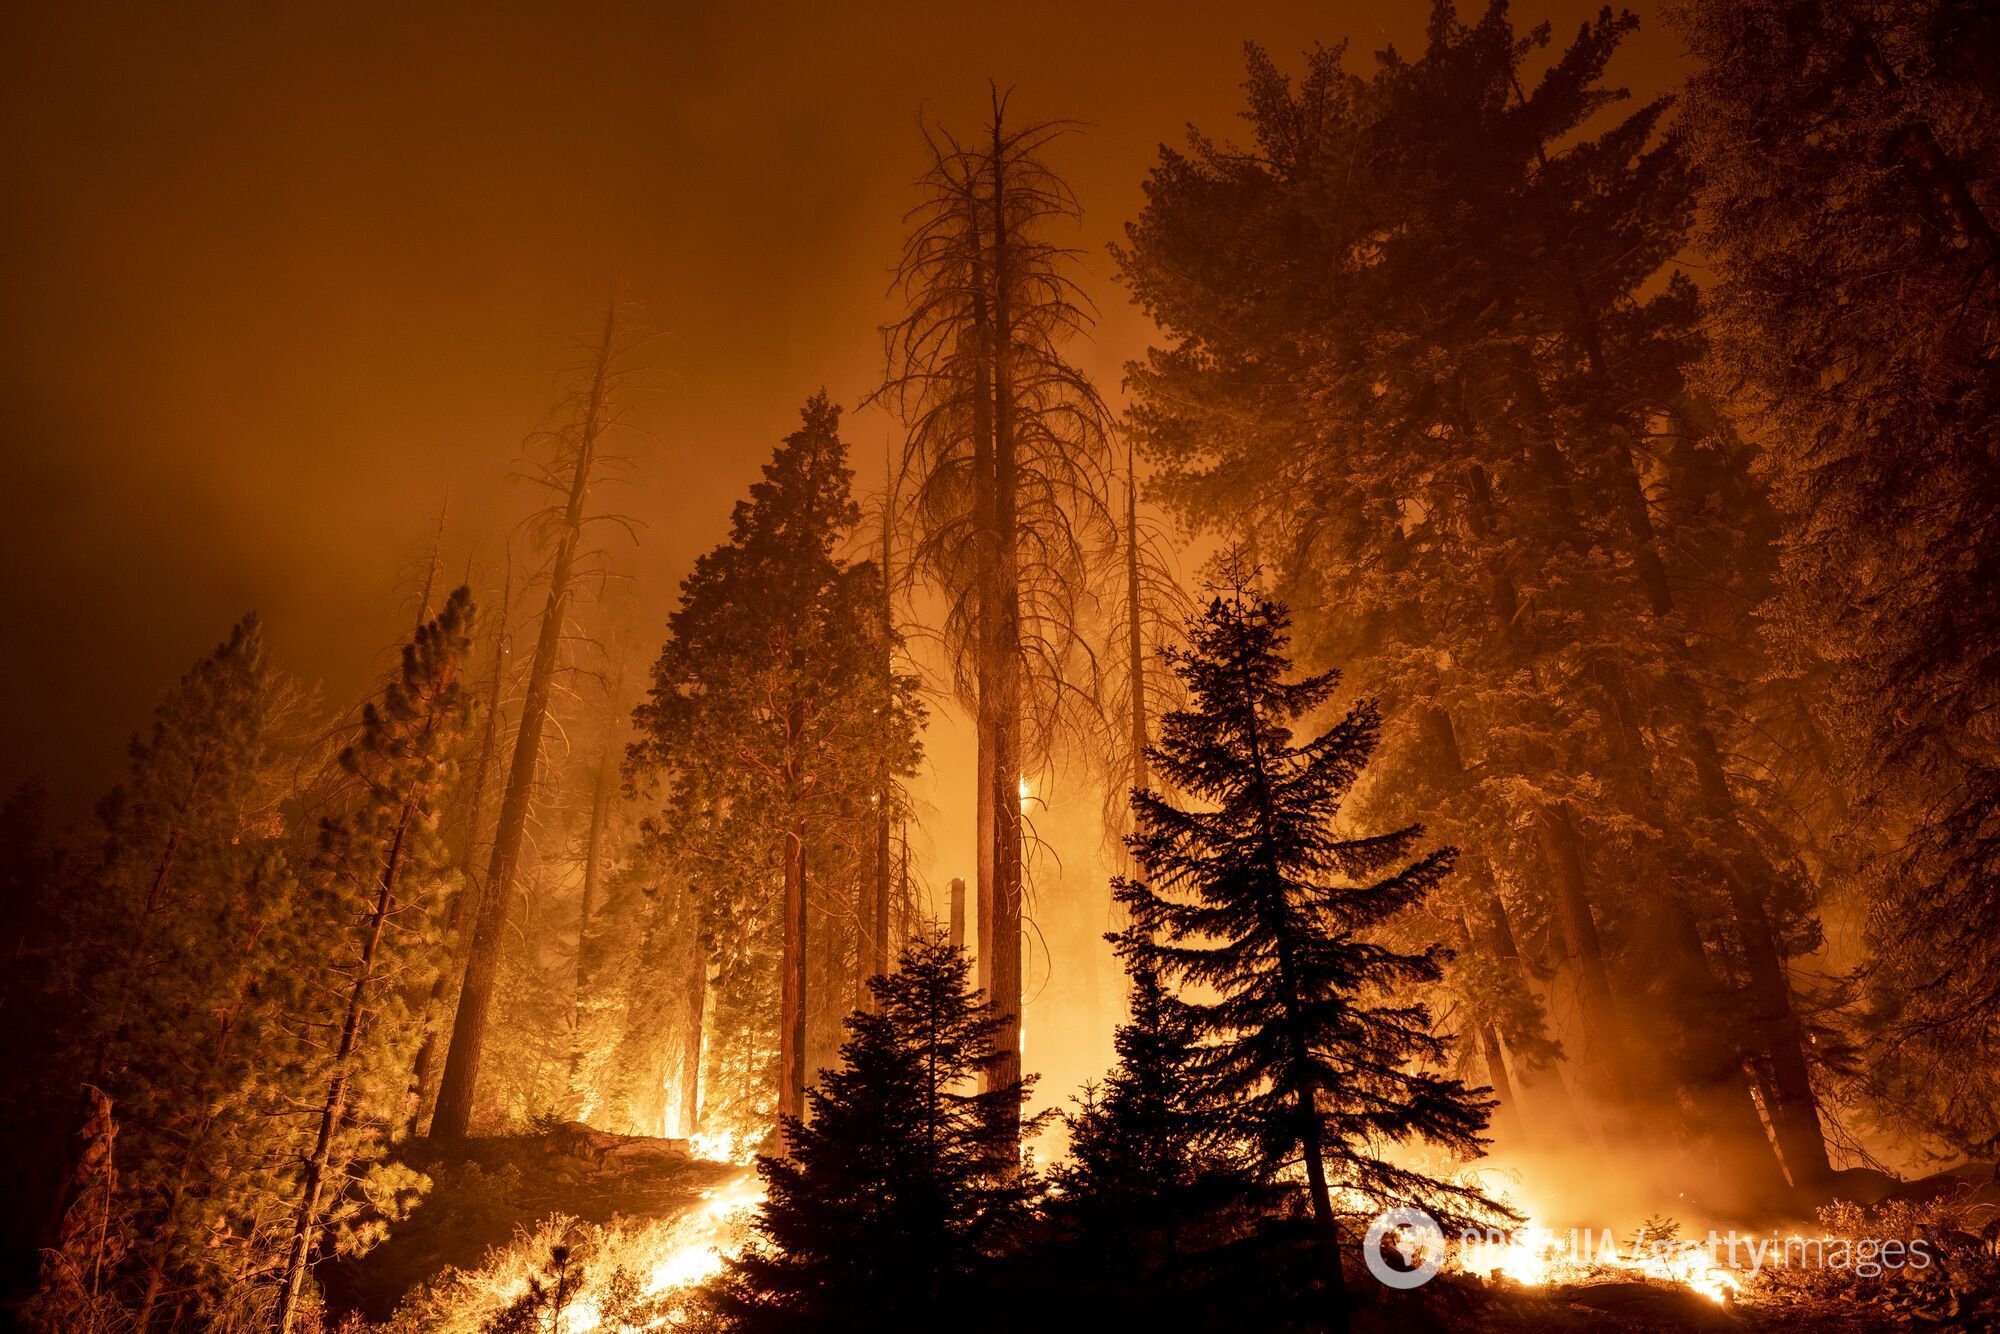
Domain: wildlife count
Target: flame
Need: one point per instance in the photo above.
(701, 1256)
(724, 1146)
(1536, 1256)
(691, 1252)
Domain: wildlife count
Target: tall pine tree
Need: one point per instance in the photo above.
(1426, 339)
(384, 878)
(769, 723)
(1254, 901)
(1847, 154)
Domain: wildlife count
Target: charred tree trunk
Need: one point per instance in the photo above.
(1135, 649)
(453, 1117)
(987, 603)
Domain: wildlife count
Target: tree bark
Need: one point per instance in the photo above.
(1506, 1112)
(1565, 1125)
(1740, 1157)
(453, 1118)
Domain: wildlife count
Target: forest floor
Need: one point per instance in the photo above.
(486, 1192)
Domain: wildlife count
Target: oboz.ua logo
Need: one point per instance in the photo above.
(1404, 1248)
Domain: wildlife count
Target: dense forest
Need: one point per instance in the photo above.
(1525, 632)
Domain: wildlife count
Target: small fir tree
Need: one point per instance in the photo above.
(1155, 1190)
(902, 1189)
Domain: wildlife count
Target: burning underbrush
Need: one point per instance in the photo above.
(1593, 1257)
(1931, 1260)
(578, 1277)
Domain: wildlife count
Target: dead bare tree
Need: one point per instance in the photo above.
(576, 457)
(1007, 465)
(1148, 616)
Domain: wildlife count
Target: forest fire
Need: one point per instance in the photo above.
(701, 1242)
(1425, 612)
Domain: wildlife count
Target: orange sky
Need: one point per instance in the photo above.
(274, 278)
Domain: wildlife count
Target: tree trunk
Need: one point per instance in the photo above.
(1506, 1112)
(1743, 1168)
(696, 1005)
(1562, 853)
(1135, 651)
(986, 684)
(306, 1221)
(1005, 645)
(792, 986)
(1795, 1118)
(600, 805)
(1326, 1221)
(905, 899)
(885, 803)
(1551, 1094)
(1135, 640)
(453, 1118)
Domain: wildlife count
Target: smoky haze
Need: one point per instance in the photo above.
(278, 278)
